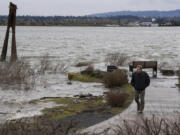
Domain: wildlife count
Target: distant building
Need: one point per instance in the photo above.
(133, 24)
(155, 25)
(167, 24)
(149, 24)
(153, 19)
(111, 25)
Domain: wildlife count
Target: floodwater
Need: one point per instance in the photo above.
(71, 45)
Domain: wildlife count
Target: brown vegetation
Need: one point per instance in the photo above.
(81, 64)
(143, 126)
(36, 126)
(24, 75)
(116, 98)
(116, 59)
(117, 78)
(153, 125)
(150, 126)
(89, 70)
(93, 73)
(19, 72)
(47, 66)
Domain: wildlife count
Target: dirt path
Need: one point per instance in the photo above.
(162, 99)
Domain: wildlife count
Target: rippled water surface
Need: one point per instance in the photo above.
(93, 43)
(75, 44)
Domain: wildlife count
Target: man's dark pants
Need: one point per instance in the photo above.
(139, 98)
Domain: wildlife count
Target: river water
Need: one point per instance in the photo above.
(71, 45)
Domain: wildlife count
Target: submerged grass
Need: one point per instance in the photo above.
(83, 78)
(116, 59)
(69, 106)
(19, 72)
(23, 75)
(73, 106)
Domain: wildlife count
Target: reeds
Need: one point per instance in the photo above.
(24, 75)
(116, 59)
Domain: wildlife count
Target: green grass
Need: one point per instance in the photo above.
(84, 78)
(178, 85)
(73, 106)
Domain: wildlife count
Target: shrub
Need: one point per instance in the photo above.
(93, 73)
(116, 98)
(81, 64)
(167, 72)
(116, 59)
(118, 77)
(178, 73)
(37, 126)
(150, 126)
(89, 70)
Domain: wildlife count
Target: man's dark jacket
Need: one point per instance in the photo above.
(140, 80)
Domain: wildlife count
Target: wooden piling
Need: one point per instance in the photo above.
(11, 24)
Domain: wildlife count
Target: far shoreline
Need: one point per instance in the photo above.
(90, 26)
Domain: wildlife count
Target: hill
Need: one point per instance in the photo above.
(157, 14)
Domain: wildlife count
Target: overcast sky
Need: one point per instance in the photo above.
(84, 7)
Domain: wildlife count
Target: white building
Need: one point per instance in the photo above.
(149, 24)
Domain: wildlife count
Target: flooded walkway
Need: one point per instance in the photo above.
(162, 99)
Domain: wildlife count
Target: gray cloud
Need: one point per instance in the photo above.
(83, 7)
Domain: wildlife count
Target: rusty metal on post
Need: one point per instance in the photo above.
(11, 24)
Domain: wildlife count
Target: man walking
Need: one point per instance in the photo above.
(140, 80)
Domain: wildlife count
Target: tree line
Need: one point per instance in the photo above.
(87, 20)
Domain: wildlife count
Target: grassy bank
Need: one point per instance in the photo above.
(71, 113)
(76, 106)
(83, 78)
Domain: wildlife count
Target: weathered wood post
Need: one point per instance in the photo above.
(11, 24)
